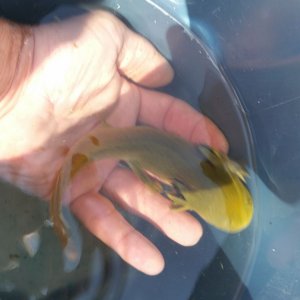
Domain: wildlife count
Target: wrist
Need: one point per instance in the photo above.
(16, 50)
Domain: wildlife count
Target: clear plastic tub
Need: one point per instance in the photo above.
(239, 63)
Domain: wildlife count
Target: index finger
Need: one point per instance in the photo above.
(171, 114)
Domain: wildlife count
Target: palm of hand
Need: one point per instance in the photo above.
(74, 84)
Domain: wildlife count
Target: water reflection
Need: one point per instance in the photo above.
(102, 272)
(31, 258)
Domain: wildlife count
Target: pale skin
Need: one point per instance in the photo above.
(74, 74)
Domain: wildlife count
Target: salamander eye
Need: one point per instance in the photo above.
(205, 150)
(213, 156)
(237, 170)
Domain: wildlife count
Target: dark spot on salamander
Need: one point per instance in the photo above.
(94, 140)
(78, 161)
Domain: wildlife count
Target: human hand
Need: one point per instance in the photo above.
(82, 71)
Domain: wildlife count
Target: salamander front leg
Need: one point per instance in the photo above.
(151, 182)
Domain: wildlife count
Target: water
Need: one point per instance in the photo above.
(200, 81)
(197, 272)
(26, 274)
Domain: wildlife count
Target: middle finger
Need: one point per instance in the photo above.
(124, 187)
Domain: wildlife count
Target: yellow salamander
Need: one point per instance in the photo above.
(227, 206)
(208, 181)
